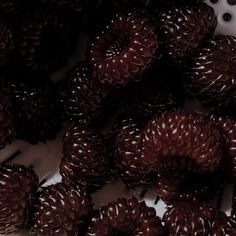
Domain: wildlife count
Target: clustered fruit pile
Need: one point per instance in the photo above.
(125, 113)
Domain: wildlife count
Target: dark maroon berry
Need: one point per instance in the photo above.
(126, 217)
(211, 75)
(37, 110)
(60, 209)
(86, 160)
(228, 127)
(45, 39)
(128, 148)
(185, 28)
(192, 218)
(182, 136)
(125, 50)
(17, 186)
(87, 100)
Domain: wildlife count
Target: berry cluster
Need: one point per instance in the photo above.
(125, 113)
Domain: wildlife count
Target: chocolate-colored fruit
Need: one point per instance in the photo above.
(211, 75)
(126, 49)
(228, 127)
(86, 160)
(128, 149)
(192, 218)
(17, 186)
(87, 99)
(182, 136)
(60, 210)
(185, 28)
(45, 39)
(38, 113)
(126, 217)
(8, 127)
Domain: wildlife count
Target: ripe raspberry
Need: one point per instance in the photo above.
(125, 50)
(185, 28)
(211, 74)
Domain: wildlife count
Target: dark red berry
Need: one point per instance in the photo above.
(228, 127)
(185, 28)
(17, 186)
(60, 209)
(45, 39)
(38, 113)
(125, 50)
(87, 100)
(182, 136)
(126, 217)
(127, 143)
(86, 160)
(211, 76)
(187, 218)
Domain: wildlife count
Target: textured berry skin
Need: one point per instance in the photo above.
(60, 210)
(185, 28)
(8, 126)
(45, 39)
(223, 225)
(182, 135)
(86, 159)
(211, 75)
(194, 219)
(7, 42)
(17, 185)
(179, 185)
(9, 7)
(150, 97)
(127, 142)
(38, 114)
(125, 50)
(228, 126)
(126, 217)
(87, 98)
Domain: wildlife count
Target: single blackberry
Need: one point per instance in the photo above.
(60, 209)
(188, 138)
(37, 110)
(17, 186)
(87, 99)
(7, 42)
(126, 217)
(128, 151)
(192, 218)
(45, 39)
(125, 50)
(86, 159)
(211, 74)
(228, 127)
(8, 126)
(185, 28)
